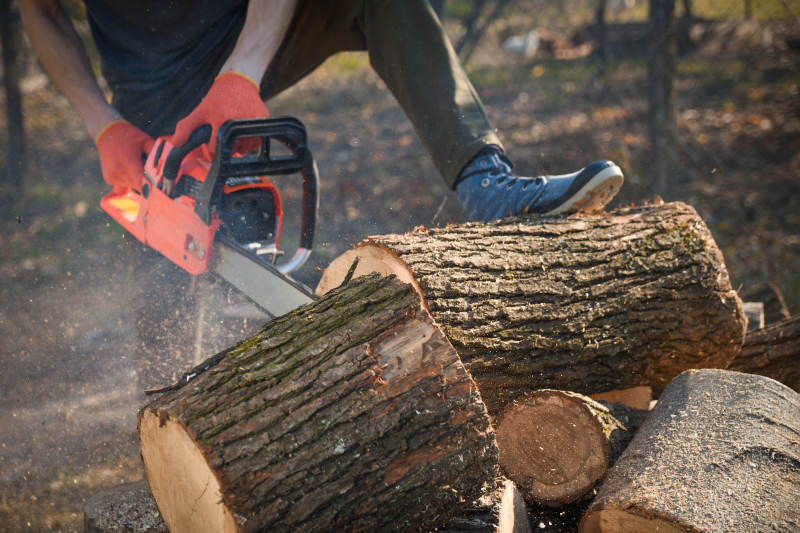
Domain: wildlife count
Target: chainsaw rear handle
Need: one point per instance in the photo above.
(288, 131)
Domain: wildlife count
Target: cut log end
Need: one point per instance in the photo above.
(501, 510)
(173, 460)
(613, 520)
(552, 445)
(375, 258)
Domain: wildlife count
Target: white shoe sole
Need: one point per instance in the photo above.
(593, 196)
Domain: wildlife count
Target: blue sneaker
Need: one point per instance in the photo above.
(489, 190)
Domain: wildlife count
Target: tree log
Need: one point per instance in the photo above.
(557, 445)
(588, 304)
(500, 509)
(720, 452)
(773, 352)
(353, 413)
(635, 397)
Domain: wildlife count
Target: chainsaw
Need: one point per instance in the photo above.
(219, 212)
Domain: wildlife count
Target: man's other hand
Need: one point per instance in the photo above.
(232, 96)
(121, 146)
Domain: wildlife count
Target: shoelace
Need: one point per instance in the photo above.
(502, 165)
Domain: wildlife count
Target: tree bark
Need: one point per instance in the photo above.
(720, 452)
(588, 304)
(499, 510)
(773, 352)
(557, 445)
(661, 73)
(10, 42)
(351, 414)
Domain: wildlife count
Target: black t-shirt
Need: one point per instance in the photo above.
(161, 57)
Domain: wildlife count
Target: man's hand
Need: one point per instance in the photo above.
(121, 145)
(232, 96)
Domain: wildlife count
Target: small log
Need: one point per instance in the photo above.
(775, 308)
(719, 452)
(754, 311)
(122, 509)
(557, 445)
(501, 509)
(635, 397)
(588, 304)
(773, 352)
(353, 413)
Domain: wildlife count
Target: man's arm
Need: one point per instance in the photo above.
(264, 29)
(119, 144)
(64, 58)
(235, 92)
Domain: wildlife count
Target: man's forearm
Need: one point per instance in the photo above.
(62, 54)
(262, 34)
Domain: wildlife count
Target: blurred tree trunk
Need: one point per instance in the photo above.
(475, 26)
(438, 7)
(10, 39)
(661, 71)
(687, 9)
(602, 48)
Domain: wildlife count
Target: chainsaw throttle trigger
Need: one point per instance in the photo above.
(172, 164)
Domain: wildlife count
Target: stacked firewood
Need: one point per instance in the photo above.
(458, 379)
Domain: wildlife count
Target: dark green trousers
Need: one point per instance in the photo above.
(409, 50)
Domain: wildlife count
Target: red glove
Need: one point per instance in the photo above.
(232, 96)
(121, 145)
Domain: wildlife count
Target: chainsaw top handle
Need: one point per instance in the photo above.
(289, 132)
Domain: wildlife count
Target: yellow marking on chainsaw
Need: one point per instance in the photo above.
(128, 207)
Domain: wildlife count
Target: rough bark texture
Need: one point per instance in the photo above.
(350, 414)
(719, 453)
(773, 352)
(10, 46)
(126, 508)
(557, 445)
(588, 304)
(501, 509)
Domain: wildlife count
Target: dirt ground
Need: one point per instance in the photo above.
(68, 395)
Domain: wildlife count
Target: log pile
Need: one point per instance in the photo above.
(356, 413)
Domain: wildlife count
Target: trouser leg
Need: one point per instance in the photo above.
(409, 50)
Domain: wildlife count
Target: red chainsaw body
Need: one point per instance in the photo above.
(170, 225)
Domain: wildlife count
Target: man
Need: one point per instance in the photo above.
(175, 66)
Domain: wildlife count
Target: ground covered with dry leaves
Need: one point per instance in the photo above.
(68, 396)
